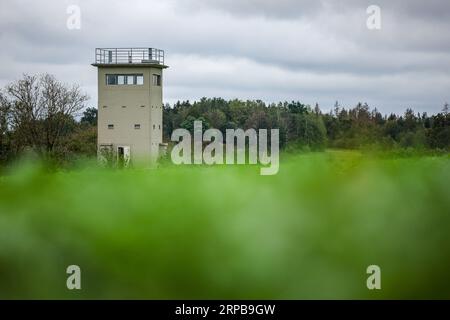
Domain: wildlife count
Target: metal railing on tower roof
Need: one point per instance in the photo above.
(129, 56)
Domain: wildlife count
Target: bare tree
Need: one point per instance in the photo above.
(41, 107)
(4, 123)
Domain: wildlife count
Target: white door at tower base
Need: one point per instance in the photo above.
(123, 156)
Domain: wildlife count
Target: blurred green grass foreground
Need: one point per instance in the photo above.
(194, 232)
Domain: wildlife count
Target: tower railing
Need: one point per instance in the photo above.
(129, 55)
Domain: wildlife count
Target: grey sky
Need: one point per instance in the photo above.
(312, 51)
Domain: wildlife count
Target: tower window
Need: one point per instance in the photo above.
(110, 126)
(156, 80)
(124, 79)
(137, 126)
(153, 127)
(111, 79)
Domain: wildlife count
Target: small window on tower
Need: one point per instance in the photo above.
(153, 127)
(140, 80)
(157, 80)
(130, 80)
(120, 79)
(111, 79)
(110, 126)
(137, 126)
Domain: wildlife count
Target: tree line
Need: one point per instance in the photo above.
(42, 115)
(301, 125)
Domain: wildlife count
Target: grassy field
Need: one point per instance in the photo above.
(227, 232)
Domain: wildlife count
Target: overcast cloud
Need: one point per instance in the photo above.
(312, 51)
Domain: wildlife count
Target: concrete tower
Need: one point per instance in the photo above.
(130, 105)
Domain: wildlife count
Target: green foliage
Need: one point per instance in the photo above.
(90, 116)
(301, 127)
(83, 141)
(298, 125)
(361, 128)
(188, 124)
(439, 134)
(227, 232)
